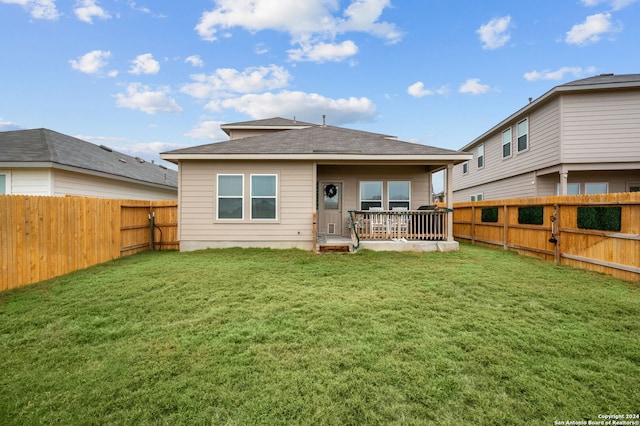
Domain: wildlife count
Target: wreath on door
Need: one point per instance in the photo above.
(330, 190)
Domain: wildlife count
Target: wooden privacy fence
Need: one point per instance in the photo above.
(43, 237)
(558, 237)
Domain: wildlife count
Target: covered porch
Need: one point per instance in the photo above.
(383, 206)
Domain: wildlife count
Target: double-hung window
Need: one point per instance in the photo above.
(370, 195)
(230, 197)
(465, 168)
(480, 155)
(399, 194)
(523, 135)
(3, 184)
(506, 143)
(264, 196)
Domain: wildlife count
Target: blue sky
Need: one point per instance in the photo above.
(149, 76)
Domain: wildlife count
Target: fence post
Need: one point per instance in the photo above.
(473, 224)
(556, 234)
(505, 225)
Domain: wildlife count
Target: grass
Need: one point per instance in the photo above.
(244, 336)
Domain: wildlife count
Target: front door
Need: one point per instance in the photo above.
(331, 209)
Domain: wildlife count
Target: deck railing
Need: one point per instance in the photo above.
(405, 224)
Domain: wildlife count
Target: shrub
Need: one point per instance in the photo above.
(600, 218)
(531, 215)
(490, 214)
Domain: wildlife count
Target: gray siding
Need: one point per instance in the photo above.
(515, 187)
(544, 151)
(296, 204)
(601, 127)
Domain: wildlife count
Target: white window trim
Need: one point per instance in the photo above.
(7, 181)
(251, 197)
(475, 197)
(381, 192)
(510, 143)
(518, 136)
(606, 184)
(480, 147)
(389, 200)
(218, 197)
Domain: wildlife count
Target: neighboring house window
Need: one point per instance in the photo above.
(572, 189)
(264, 196)
(480, 155)
(230, 196)
(399, 194)
(633, 187)
(370, 195)
(506, 143)
(523, 135)
(3, 184)
(465, 168)
(476, 197)
(596, 188)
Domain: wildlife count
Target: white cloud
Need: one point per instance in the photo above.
(207, 130)
(558, 74)
(228, 80)
(142, 98)
(92, 62)
(614, 4)
(417, 90)
(261, 49)
(144, 64)
(494, 34)
(5, 126)
(308, 22)
(473, 87)
(195, 60)
(38, 9)
(322, 52)
(86, 10)
(304, 106)
(591, 30)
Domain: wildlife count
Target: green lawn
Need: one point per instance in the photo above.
(238, 337)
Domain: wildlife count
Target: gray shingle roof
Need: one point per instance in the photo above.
(608, 79)
(316, 140)
(47, 146)
(269, 122)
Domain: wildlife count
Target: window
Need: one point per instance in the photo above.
(476, 197)
(370, 195)
(264, 197)
(3, 184)
(633, 187)
(465, 168)
(572, 189)
(596, 188)
(399, 194)
(230, 196)
(506, 143)
(523, 131)
(480, 155)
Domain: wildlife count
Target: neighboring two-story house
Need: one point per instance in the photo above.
(581, 137)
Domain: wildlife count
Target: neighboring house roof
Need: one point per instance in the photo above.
(599, 82)
(276, 123)
(27, 148)
(318, 142)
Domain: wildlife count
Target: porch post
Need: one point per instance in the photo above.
(449, 186)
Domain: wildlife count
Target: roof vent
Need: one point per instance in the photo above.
(162, 167)
(606, 75)
(122, 160)
(106, 148)
(139, 160)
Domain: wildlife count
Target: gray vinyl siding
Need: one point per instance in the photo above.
(543, 151)
(296, 203)
(70, 183)
(515, 187)
(601, 127)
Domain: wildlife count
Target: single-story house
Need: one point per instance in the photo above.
(44, 162)
(581, 137)
(283, 183)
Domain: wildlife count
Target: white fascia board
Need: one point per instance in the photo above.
(321, 157)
